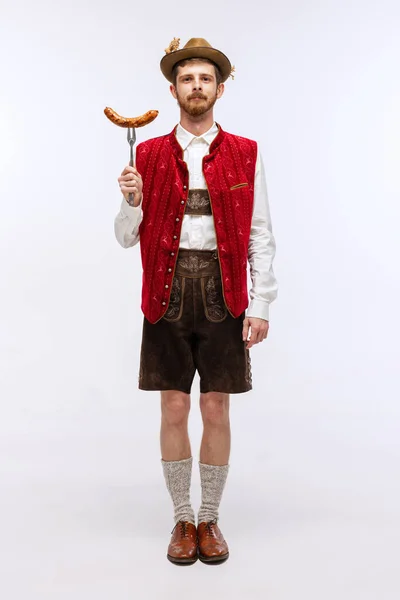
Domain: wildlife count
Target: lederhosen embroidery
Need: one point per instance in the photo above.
(198, 203)
(193, 263)
(175, 306)
(214, 305)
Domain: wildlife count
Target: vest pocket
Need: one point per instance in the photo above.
(175, 306)
(238, 185)
(213, 299)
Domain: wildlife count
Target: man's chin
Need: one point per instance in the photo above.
(196, 107)
(197, 111)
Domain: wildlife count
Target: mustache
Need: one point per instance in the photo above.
(197, 95)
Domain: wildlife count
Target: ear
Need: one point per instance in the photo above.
(220, 90)
(172, 89)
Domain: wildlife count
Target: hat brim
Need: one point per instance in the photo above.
(169, 60)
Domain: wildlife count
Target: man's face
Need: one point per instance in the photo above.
(196, 88)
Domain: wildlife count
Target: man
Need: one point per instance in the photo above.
(200, 211)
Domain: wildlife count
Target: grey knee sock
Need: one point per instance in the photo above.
(213, 479)
(178, 474)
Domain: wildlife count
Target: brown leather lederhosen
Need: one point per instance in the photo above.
(197, 332)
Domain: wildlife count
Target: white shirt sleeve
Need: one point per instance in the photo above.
(261, 250)
(127, 221)
(126, 224)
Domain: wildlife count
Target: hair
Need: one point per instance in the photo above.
(185, 61)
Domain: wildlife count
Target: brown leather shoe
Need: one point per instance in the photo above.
(182, 549)
(213, 549)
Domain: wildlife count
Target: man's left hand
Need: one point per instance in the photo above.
(258, 330)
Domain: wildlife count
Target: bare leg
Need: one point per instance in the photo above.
(177, 466)
(216, 441)
(174, 437)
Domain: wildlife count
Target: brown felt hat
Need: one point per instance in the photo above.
(195, 48)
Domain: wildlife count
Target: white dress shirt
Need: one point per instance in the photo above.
(198, 232)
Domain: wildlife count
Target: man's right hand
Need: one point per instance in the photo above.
(131, 182)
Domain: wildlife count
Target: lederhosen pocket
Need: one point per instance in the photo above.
(213, 299)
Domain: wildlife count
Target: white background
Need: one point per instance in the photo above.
(311, 504)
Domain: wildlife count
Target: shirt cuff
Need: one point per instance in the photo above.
(258, 309)
(132, 212)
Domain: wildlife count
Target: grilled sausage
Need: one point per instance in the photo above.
(130, 121)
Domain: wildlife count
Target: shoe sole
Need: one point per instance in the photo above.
(213, 560)
(182, 562)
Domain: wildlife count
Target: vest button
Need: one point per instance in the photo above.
(172, 253)
(175, 237)
(167, 286)
(185, 187)
(164, 303)
(169, 270)
(177, 219)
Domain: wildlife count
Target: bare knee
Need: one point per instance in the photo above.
(175, 407)
(214, 408)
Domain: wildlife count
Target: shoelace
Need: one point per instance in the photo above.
(184, 529)
(209, 527)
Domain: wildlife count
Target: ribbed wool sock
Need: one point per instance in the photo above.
(178, 475)
(213, 479)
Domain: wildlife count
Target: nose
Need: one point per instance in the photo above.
(197, 84)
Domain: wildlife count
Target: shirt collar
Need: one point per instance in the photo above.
(185, 138)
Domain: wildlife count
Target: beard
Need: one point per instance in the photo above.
(196, 108)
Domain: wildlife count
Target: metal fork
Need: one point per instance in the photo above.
(131, 137)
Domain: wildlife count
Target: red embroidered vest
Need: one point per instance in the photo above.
(229, 171)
